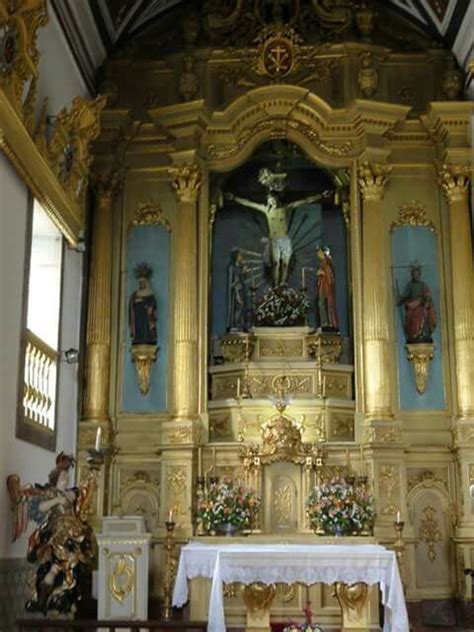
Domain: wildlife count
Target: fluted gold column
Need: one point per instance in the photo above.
(186, 180)
(372, 180)
(454, 180)
(96, 394)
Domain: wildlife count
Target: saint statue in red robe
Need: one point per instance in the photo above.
(420, 314)
(326, 291)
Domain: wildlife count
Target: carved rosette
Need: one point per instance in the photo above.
(420, 355)
(143, 357)
(372, 178)
(186, 181)
(454, 180)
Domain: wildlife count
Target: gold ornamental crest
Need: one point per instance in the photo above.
(278, 52)
(278, 57)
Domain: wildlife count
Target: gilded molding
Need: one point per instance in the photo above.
(150, 214)
(20, 22)
(186, 181)
(412, 214)
(454, 181)
(430, 531)
(122, 577)
(373, 178)
(420, 355)
(383, 434)
(389, 480)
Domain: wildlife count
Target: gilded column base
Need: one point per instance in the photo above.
(258, 599)
(354, 602)
(383, 432)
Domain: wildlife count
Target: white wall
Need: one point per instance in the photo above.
(60, 81)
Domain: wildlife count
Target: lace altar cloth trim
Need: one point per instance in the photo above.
(289, 563)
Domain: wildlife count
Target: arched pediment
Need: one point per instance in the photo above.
(331, 137)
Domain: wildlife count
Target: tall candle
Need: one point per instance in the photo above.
(324, 386)
(214, 463)
(303, 279)
(97, 438)
(238, 387)
(399, 517)
(170, 515)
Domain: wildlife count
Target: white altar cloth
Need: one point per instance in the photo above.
(288, 563)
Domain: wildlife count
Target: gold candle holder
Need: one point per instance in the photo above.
(399, 547)
(168, 585)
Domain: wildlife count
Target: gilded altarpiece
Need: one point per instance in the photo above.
(194, 119)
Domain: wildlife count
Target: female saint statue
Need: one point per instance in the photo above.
(326, 290)
(142, 308)
(238, 300)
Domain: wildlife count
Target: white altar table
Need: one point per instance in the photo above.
(290, 563)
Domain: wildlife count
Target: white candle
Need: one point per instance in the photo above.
(97, 438)
(170, 516)
(399, 517)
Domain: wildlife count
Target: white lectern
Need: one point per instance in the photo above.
(124, 551)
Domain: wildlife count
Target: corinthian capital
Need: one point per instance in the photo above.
(372, 179)
(186, 181)
(107, 184)
(454, 180)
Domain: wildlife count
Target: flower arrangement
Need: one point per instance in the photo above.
(307, 626)
(340, 507)
(225, 503)
(281, 306)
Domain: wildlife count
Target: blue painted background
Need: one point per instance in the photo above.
(237, 227)
(410, 244)
(150, 244)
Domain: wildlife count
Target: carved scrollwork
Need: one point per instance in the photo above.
(412, 214)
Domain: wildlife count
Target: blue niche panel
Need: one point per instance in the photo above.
(244, 230)
(150, 244)
(417, 244)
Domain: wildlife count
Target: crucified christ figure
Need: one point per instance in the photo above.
(278, 218)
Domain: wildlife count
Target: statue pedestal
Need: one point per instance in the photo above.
(124, 550)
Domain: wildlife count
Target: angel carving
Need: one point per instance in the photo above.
(63, 545)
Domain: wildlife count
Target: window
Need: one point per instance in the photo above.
(37, 410)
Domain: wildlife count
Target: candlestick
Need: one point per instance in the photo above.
(97, 439)
(199, 461)
(167, 587)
